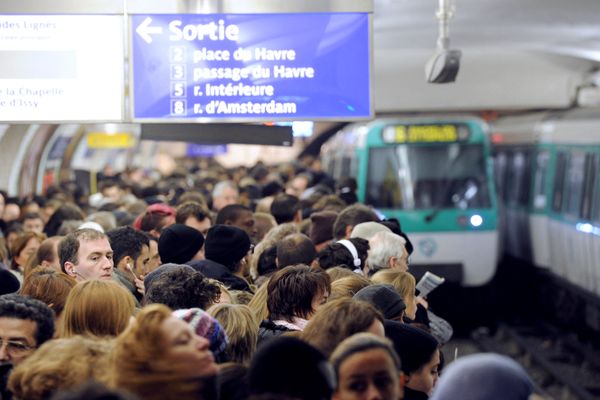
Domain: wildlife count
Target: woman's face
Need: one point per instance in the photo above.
(185, 347)
(318, 301)
(368, 375)
(31, 247)
(425, 378)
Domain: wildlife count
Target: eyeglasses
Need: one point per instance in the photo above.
(15, 348)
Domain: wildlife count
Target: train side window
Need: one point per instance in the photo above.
(559, 182)
(509, 177)
(518, 183)
(539, 180)
(574, 184)
(595, 209)
(384, 181)
(346, 169)
(500, 172)
(328, 164)
(525, 190)
(588, 188)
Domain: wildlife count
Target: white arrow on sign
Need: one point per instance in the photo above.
(144, 30)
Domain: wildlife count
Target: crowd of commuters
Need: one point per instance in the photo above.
(260, 283)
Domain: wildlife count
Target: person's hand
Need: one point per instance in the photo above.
(422, 302)
(139, 284)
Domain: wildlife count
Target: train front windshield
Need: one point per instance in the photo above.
(419, 177)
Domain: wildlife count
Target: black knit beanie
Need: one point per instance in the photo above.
(8, 282)
(178, 243)
(289, 366)
(226, 244)
(414, 346)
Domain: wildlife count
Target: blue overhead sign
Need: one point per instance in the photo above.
(205, 150)
(251, 66)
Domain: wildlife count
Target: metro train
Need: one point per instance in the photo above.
(435, 175)
(532, 191)
(547, 172)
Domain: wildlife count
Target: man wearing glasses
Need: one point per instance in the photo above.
(25, 324)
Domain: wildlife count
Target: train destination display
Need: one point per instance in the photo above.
(251, 66)
(425, 133)
(61, 68)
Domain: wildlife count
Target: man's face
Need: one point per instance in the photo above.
(17, 337)
(203, 226)
(297, 186)
(401, 261)
(246, 222)
(228, 196)
(113, 193)
(154, 256)
(33, 225)
(141, 263)
(94, 260)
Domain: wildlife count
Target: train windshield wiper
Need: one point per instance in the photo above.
(448, 184)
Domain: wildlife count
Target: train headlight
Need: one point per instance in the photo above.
(476, 220)
(587, 228)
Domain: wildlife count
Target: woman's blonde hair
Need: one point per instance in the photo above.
(258, 304)
(139, 362)
(337, 320)
(58, 365)
(359, 343)
(336, 273)
(348, 286)
(241, 327)
(241, 297)
(97, 308)
(402, 281)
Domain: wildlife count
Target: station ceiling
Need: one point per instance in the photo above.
(555, 26)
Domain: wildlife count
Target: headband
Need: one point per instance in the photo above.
(352, 249)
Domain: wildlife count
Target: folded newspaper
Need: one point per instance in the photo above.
(428, 282)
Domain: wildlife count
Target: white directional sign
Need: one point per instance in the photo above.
(61, 68)
(145, 30)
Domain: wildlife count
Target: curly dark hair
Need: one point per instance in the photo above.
(24, 307)
(183, 288)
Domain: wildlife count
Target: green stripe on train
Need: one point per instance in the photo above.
(446, 220)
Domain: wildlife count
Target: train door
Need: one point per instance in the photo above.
(538, 217)
(516, 197)
(594, 208)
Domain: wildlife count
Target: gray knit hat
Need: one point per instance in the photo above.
(384, 297)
